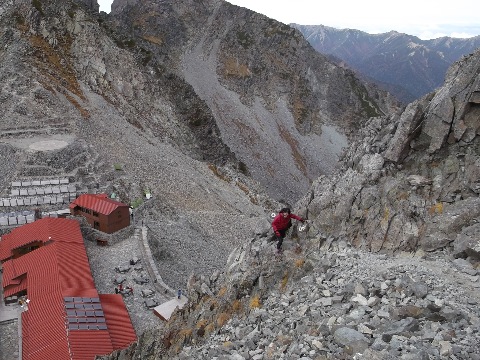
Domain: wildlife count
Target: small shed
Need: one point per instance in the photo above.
(101, 212)
(164, 311)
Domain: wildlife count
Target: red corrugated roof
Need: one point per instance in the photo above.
(117, 317)
(40, 230)
(52, 274)
(81, 343)
(97, 202)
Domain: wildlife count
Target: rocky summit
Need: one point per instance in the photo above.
(223, 116)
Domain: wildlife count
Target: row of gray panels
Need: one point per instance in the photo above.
(16, 213)
(24, 219)
(45, 200)
(87, 327)
(25, 183)
(17, 220)
(43, 191)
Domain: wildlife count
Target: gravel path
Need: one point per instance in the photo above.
(104, 260)
(9, 340)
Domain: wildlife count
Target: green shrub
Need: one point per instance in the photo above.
(136, 203)
(245, 39)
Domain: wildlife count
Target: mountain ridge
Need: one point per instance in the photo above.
(416, 66)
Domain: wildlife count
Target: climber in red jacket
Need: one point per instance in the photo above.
(281, 223)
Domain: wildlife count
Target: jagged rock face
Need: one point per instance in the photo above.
(284, 110)
(413, 180)
(91, 4)
(66, 51)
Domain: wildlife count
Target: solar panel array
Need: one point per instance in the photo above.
(84, 313)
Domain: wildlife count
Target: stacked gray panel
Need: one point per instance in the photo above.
(15, 192)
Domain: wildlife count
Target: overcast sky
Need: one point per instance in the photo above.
(427, 19)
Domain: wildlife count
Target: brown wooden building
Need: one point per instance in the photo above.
(101, 212)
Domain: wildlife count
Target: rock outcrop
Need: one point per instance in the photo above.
(413, 179)
(283, 109)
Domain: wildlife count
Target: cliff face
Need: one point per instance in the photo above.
(219, 82)
(413, 179)
(284, 110)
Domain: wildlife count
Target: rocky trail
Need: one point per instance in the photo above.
(341, 303)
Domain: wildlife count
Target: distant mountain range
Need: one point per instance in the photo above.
(402, 64)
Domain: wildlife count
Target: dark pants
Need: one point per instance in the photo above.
(280, 238)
